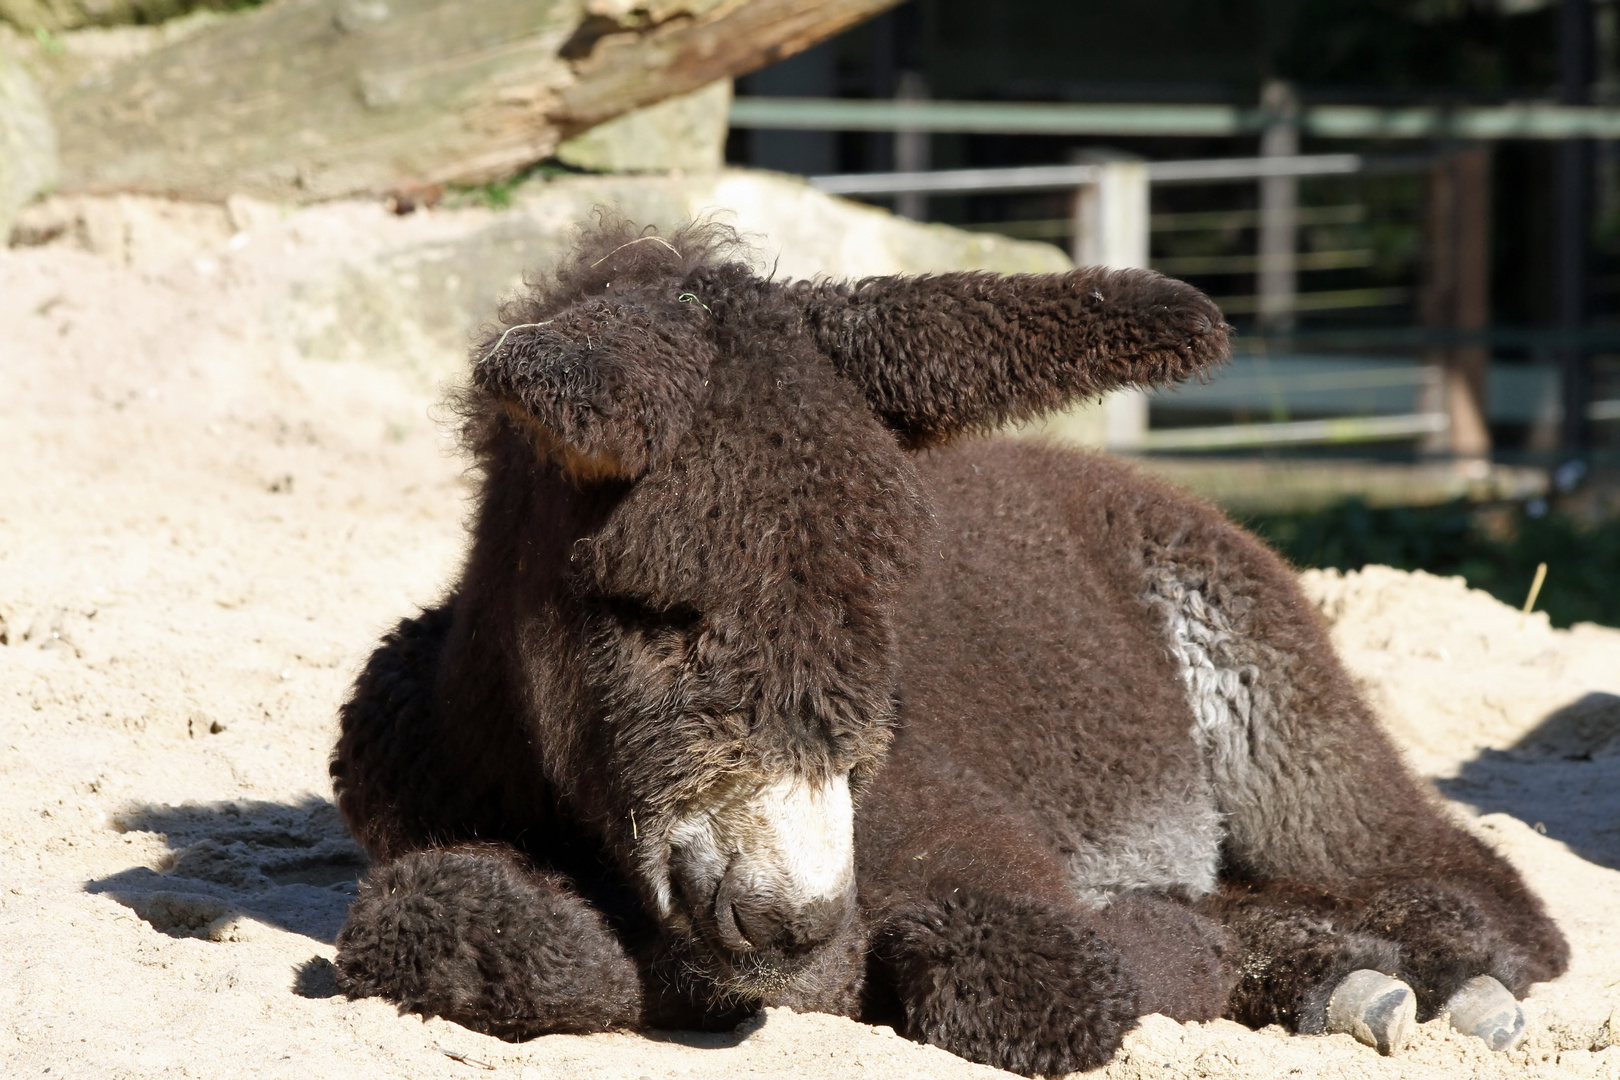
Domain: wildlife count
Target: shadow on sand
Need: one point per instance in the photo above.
(1562, 778)
(288, 865)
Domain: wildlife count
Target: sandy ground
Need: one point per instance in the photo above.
(204, 525)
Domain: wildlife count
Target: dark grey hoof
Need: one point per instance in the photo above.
(1373, 1009)
(1485, 1009)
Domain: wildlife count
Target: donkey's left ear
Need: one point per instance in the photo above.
(605, 388)
(944, 354)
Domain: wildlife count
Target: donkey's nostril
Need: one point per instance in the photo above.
(727, 921)
(765, 926)
(751, 920)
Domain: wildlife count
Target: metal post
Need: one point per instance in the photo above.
(1111, 229)
(911, 148)
(813, 71)
(1112, 214)
(1279, 211)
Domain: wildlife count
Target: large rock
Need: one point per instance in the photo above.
(28, 162)
(359, 283)
(420, 301)
(684, 134)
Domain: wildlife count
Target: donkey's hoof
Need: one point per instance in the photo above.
(1374, 1009)
(1485, 1009)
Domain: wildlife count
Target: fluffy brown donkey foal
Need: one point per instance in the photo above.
(764, 684)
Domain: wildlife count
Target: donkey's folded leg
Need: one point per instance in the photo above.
(1455, 955)
(1307, 969)
(1372, 966)
(1447, 938)
(1317, 796)
(471, 935)
(1016, 983)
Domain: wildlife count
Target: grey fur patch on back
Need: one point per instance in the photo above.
(1174, 844)
(1219, 691)
(1234, 712)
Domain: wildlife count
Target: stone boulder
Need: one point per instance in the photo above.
(28, 163)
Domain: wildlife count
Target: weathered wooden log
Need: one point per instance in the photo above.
(313, 99)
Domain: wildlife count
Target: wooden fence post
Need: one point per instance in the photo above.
(1455, 296)
(1111, 219)
(1279, 212)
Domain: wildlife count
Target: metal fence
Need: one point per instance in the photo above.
(1440, 389)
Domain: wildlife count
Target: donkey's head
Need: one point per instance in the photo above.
(722, 630)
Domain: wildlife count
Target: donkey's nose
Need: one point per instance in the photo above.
(754, 920)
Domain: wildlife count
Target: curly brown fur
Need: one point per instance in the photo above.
(1446, 938)
(1272, 703)
(1299, 944)
(406, 780)
(742, 677)
(1293, 952)
(607, 388)
(472, 936)
(1181, 960)
(386, 760)
(685, 988)
(1008, 982)
(1136, 803)
(613, 255)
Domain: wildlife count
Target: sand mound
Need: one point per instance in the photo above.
(207, 515)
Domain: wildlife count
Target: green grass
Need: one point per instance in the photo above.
(497, 194)
(1495, 550)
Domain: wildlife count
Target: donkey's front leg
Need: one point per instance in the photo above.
(1011, 982)
(981, 947)
(474, 936)
(1045, 986)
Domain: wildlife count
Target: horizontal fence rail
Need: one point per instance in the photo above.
(1379, 393)
(1111, 201)
(1346, 429)
(1520, 120)
(1327, 300)
(1196, 171)
(1334, 430)
(1525, 338)
(1052, 177)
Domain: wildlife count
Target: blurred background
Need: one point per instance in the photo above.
(1421, 252)
(1409, 209)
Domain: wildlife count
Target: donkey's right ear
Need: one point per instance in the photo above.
(603, 389)
(940, 355)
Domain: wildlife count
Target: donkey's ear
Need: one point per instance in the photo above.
(945, 354)
(605, 388)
